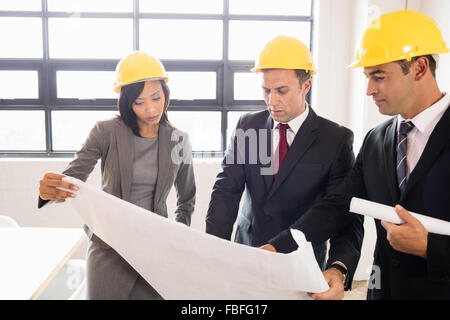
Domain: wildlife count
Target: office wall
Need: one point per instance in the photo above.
(19, 183)
(439, 10)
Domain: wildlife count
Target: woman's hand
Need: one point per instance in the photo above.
(48, 190)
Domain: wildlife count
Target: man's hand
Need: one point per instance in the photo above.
(410, 237)
(335, 280)
(268, 247)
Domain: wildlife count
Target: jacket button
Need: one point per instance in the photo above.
(395, 262)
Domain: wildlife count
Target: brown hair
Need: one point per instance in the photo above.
(129, 94)
(302, 75)
(406, 65)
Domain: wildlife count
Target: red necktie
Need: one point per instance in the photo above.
(283, 146)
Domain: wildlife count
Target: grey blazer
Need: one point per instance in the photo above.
(112, 142)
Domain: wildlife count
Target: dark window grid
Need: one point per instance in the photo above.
(24, 65)
(47, 68)
(158, 16)
(173, 65)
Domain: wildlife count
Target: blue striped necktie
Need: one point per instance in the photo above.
(405, 127)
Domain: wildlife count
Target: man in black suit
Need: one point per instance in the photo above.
(312, 155)
(404, 162)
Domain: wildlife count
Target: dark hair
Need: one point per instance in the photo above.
(302, 75)
(406, 65)
(129, 94)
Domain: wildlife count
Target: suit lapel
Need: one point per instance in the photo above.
(165, 147)
(439, 138)
(305, 136)
(389, 159)
(268, 126)
(125, 151)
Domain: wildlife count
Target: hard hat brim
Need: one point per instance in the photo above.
(119, 87)
(368, 63)
(258, 69)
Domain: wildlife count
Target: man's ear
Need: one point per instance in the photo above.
(420, 68)
(307, 85)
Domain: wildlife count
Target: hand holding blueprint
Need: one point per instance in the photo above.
(387, 213)
(184, 263)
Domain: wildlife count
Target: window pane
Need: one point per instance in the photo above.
(247, 38)
(182, 39)
(233, 118)
(22, 130)
(90, 38)
(23, 38)
(270, 7)
(203, 128)
(247, 86)
(21, 5)
(71, 128)
(19, 84)
(85, 84)
(91, 5)
(192, 85)
(181, 6)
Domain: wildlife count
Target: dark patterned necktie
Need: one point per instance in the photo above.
(405, 127)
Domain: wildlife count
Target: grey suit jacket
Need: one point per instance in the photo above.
(112, 142)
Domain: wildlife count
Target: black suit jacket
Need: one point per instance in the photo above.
(317, 161)
(397, 275)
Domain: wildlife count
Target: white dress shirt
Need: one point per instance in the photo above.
(424, 124)
(294, 126)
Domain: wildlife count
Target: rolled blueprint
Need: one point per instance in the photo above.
(387, 213)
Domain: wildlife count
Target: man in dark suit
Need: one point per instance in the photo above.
(404, 162)
(312, 155)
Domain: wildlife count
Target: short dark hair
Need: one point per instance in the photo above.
(128, 95)
(302, 75)
(406, 65)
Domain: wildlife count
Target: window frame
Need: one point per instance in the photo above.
(47, 69)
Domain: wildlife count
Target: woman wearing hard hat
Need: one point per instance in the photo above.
(138, 165)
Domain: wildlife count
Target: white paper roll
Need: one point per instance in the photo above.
(387, 213)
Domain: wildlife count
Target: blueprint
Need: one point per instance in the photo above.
(184, 263)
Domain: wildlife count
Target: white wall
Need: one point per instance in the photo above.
(19, 183)
(439, 10)
(338, 92)
(333, 51)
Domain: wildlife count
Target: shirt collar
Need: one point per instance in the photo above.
(297, 122)
(428, 118)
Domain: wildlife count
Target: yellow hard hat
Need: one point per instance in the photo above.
(285, 52)
(399, 35)
(136, 67)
